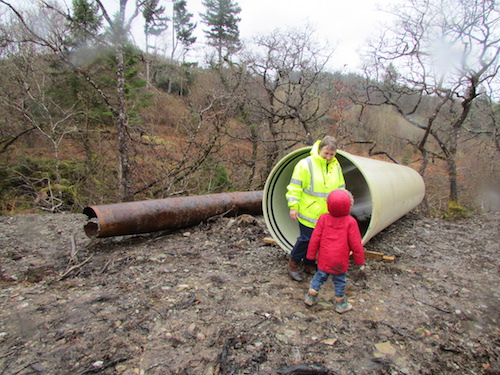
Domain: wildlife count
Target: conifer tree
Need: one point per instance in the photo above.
(86, 22)
(222, 18)
(183, 26)
(154, 20)
(154, 24)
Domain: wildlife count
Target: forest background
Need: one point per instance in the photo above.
(88, 117)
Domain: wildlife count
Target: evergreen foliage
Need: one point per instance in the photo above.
(221, 17)
(214, 178)
(154, 20)
(183, 26)
(85, 23)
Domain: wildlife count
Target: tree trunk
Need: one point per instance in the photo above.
(452, 164)
(124, 176)
(452, 173)
(273, 151)
(254, 138)
(147, 58)
(124, 173)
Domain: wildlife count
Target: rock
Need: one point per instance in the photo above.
(330, 342)
(385, 348)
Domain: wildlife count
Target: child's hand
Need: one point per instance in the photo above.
(365, 270)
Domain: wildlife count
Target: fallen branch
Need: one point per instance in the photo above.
(74, 251)
(375, 255)
(428, 304)
(192, 299)
(216, 217)
(76, 266)
(222, 362)
(397, 331)
(106, 266)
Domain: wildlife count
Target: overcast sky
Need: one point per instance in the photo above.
(345, 24)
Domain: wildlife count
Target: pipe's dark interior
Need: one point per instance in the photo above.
(357, 185)
(91, 228)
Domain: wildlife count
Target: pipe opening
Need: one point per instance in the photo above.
(275, 209)
(358, 186)
(91, 228)
(383, 192)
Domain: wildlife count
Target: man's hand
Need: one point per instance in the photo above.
(294, 214)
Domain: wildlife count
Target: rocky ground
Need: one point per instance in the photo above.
(216, 299)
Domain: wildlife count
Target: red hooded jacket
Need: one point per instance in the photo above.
(336, 234)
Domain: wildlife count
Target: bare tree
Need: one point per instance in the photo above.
(438, 58)
(57, 42)
(25, 98)
(196, 149)
(285, 73)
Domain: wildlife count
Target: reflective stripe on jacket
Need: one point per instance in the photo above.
(312, 180)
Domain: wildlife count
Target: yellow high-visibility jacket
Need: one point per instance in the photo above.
(312, 180)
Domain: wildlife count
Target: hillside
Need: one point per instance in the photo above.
(215, 299)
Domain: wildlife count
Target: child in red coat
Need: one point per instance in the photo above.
(335, 236)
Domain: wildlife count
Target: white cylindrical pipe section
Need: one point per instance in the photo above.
(383, 193)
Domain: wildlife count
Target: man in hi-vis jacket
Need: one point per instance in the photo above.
(313, 178)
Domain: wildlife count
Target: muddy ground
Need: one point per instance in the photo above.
(216, 299)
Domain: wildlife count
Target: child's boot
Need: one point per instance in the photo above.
(311, 297)
(341, 305)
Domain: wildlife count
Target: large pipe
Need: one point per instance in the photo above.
(383, 193)
(170, 213)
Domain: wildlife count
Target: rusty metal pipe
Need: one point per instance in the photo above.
(170, 213)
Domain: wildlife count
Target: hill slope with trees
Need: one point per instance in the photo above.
(90, 118)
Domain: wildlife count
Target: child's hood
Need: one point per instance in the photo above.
(339, 203)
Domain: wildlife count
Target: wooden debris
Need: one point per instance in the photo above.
(270, 241)
(388, 258)
(72, 268)
(374, 255)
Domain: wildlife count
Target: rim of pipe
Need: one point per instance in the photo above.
(375, 185)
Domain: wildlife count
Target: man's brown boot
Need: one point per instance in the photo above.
(293, 270)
